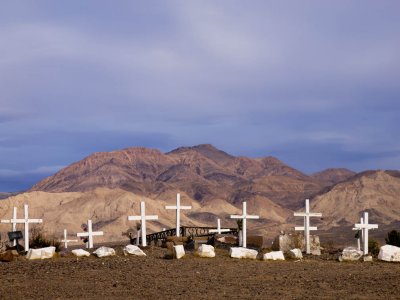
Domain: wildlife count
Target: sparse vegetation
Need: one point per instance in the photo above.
(393, 238)
(373, 246)
(39, 239)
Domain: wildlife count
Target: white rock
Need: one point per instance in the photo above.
(104, 251)
(179, 251)
(240, 252)
(351, 254)
(80, 252)
(205, 251)
(389, 253)
(274, 255)
(41, 253)
(296, 253)
(133, 250)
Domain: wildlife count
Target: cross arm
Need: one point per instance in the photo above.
(301, 228)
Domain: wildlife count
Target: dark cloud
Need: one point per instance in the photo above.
(315, 83)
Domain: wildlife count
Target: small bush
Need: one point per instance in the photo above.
(393, 238)
(373, 247)
(38, 239)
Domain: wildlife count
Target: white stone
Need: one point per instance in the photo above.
(389, 253)
(296, 253)
(241, 252)
(104, 252)
(178, 208)
(244, 216)
(306, 228)
(133, 250)
(205, 251)
(142, 218)
(42, 253)
(179, 251)
(350, 254)
(80, 252)
(274, 255)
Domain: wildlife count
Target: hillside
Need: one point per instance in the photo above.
(203, 172)
(332, 176)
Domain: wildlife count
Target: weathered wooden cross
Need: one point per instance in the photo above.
(142, 218)
(178, 208)
(365, 227)
(65, 240)
(14, 224)
(307, 228)
(26, 221)
(219, 230)
(244, 216)
(89, 234)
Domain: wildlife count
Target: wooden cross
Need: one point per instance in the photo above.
(306, 228)
(90, 234)
(65, 240)
(14, 224)
(244, 216)
(142, 218)
(365, 227)
(26, 221)
(178, 208)
(219, 230)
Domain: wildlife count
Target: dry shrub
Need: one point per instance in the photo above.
(39, 239)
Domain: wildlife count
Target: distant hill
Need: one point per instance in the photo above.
(333, 176)
(108, 186)
(203, 172)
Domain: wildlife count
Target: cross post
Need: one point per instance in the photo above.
(365, 227)
(178, 208)
(219, 230)
(244, 216)
(307, 228)
(89, 234)
(65, 240)
(142, 218)
(12, 221)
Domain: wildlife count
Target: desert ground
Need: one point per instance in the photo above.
(221, 277)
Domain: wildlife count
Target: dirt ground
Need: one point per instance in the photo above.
(154, 277)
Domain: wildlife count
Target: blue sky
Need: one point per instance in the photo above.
(314, 83)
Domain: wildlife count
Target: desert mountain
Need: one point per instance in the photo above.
(332, 176)
(374, 191)
(107, 187)
(203, 172)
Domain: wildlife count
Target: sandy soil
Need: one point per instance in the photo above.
(198, 278)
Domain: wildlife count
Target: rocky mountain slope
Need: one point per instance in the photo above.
(107, 187)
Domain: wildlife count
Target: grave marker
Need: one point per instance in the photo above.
(178, 208)
(365, 227)
(219, 230)
(142, 218)
(65, 240)
(14, 224)
(244, 217)
(89, 234)
(26, 221)
(307, 228)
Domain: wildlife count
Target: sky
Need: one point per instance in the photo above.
(314, 83)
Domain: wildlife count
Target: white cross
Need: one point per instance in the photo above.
(306, 228)
(90, 234)
(365, 227)
(65, 241)
(219, 230)
(244, 217)
(178, 208)
(14, 224)
(360, 238)
(143, 219)
(26, 221)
